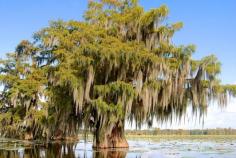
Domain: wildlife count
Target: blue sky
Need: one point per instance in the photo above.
(209, 24)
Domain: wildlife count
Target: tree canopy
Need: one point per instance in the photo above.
(117, 65)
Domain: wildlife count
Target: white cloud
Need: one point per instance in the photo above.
(232, 106)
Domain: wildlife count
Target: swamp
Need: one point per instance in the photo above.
(139, 147)
(117, 64)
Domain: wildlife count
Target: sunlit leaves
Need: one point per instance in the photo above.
(119, 63)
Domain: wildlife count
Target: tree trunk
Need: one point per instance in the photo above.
(110, 137)
(28, 136)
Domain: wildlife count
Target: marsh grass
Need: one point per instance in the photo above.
(184, 137)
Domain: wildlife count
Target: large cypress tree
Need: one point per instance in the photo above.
(118, 64)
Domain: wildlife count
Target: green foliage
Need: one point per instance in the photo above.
(118, 64)
(118, 88)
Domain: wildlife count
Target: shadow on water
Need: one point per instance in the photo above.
(57, 150)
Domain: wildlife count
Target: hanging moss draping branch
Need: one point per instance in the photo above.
(117, 65)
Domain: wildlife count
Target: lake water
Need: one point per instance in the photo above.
(137, 149)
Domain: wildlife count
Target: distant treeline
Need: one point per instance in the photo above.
(158, 131)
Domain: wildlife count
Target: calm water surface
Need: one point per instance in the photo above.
(138, 149)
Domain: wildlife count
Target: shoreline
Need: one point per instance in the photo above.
(128, 137)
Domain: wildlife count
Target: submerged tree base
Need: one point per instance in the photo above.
(114, 138)
(28, 136)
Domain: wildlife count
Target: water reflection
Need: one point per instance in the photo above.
(109, 154)
(56, 150)
(138, 149)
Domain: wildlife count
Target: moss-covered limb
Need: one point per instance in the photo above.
(118, 88)
(231, 89)
(62, 119)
